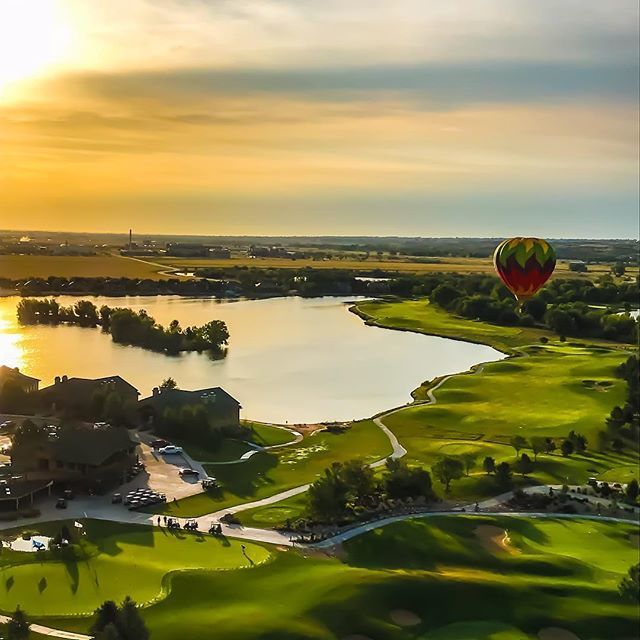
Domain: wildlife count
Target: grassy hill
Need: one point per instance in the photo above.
(445, 577)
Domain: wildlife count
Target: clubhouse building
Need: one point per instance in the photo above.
(223, 409)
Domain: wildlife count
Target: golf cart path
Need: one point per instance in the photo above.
(48, 631)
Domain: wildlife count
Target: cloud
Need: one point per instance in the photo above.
(433, 86)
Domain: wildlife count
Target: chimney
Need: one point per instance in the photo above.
(156, 391)
(16, 369)
(56, 380)
(65, 378)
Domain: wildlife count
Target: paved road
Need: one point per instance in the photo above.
(48, 631)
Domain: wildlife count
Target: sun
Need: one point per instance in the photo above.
(33, 37)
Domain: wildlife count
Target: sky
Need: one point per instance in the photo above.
(299, 117)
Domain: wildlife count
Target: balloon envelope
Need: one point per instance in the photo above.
(524, 265)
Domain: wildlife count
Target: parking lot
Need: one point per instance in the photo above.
(162, 474)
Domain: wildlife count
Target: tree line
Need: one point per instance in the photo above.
(127, 326)
(348, 491)
(622, 426)
(563, 306)
(251, 282)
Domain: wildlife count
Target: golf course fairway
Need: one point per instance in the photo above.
(440, 578)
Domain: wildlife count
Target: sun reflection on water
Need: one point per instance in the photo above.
(11, 353)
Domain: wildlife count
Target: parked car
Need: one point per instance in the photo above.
(209, 483)
(186, 471)
(116, 498)
(68, 494)
(160, 443)
(61, 503)
(170, 450)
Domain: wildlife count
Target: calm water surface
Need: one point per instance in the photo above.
(290, 359)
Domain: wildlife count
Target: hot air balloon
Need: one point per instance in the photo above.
(524, 265)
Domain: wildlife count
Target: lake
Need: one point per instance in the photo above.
(291, 360)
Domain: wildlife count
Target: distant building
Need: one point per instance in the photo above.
(187, 250)
(219, 253)
(223, 408)
(76, 394)
(90, 456)
(26, 383)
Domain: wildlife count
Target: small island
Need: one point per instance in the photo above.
(128, 326)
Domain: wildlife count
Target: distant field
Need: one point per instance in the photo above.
(19, 267)
(403, 265)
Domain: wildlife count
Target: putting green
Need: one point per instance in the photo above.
(112, 562)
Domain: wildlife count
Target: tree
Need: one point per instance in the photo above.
(123, 622)
(130, 622)
(550, 445)
(401, 481)
(168, 383)
(448, 469)
(538, 445)
(360, 479)
(518, 442)
(328, 495)
(105, 614)
(629, 587)
(567, 448)
(535, 307)
(503, 473)
(578, 441)
(523, 465)
(489, 465)
(632, 490)
(444, 295)
(618, 269)
(110, 632)
(469, 461)
(18, 627)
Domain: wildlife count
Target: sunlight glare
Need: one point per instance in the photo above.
(33, 37)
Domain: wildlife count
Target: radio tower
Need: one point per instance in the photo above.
(130, 240)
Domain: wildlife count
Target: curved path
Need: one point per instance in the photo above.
(48, 631)
(84, 508)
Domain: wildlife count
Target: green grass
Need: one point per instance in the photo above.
(556, 388)
(267, 473)
(559, 573)
(275, 514)
(267, 436)
(228, 450)
(422, 317)
(112, 562)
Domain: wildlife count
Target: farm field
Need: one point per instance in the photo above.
(267, 473)
(438, 578)
(402, 264)
(16, 267)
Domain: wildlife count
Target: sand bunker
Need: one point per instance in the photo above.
(494, 539)
(405, 618)
(556, 633)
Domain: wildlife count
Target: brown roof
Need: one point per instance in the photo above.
(90, 445)
(14, 372)
(77, 389)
